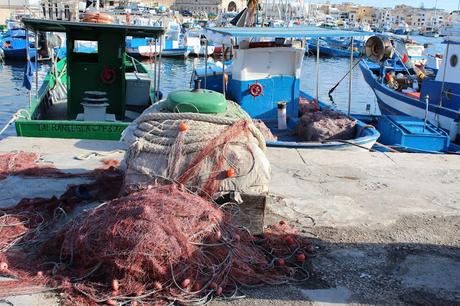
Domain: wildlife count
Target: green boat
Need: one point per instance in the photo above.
(90, 94)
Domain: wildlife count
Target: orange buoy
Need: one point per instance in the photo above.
(230, 172)
(183, 127)
(300, 257)
(3, 266)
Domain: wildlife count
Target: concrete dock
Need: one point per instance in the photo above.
(386, 226)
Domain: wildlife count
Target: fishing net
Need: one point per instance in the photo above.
(153, 235)
(153, 246)
(214, 154)
(27, 164)
(325, 125)
(264, 130)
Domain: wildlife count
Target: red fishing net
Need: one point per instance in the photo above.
(27, 164)
(152, 246)
(156, 245)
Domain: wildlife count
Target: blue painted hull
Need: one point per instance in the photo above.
(18, 54)
(392, 102)
(365, 139)
(334, 52)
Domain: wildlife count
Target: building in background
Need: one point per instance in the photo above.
(18, 7)
(209, 6)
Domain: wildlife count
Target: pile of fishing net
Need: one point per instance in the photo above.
(153, 246)
(211, 153)
(15, 163)
(264, 130)
(325, 125)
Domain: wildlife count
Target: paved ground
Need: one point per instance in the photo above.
(387, 227)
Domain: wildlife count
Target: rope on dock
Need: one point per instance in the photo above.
(17, 115)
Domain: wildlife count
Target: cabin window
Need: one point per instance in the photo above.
(85, 50)
(85, 46)
(454, 60)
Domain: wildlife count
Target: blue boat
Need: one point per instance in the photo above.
(431, 93)
(264, 79)
(13, 44)
(335, 48)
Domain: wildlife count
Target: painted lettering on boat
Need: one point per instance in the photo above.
(80, 128)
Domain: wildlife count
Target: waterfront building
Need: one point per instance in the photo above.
(210, 6)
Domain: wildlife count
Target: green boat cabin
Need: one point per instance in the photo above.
(102, 79)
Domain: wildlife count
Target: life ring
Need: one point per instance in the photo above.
(256, 89)
(108, 75)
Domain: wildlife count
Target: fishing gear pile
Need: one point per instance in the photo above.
(215, 154)
(153, 234)
(326, 125)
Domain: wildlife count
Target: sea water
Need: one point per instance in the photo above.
(177, 73)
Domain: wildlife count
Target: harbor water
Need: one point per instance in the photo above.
(176, 74)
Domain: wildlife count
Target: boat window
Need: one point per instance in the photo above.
(454, 60)
(85, 51)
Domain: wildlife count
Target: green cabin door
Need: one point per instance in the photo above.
(86, 67)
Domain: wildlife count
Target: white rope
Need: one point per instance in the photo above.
(17, 115)
(98, 154)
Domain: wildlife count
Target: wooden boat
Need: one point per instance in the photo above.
(64, 103)
(419, 91)
(264, 73)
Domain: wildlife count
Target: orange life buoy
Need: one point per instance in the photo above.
(108, 75)
(256, 89)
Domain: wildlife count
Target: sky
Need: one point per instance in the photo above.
(448, 5)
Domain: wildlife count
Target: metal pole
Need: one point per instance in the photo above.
(159, 62)
(223, 69)
(154, 56)
(427, 101)
(317, 69)
(206, 66)
(351, 76)
(28, 60)
(36, 64)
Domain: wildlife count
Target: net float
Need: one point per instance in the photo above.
(300, 257)
(185, 283)
(115, 284)
(196, 287)
(111, 302)
(280, 262)
(3, 266)
(289, 240)
(157, 286)
(183, 127)
(230, 172)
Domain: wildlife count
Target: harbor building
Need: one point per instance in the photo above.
(17, 7)
(210, 6)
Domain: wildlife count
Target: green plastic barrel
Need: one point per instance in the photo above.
(196, 101)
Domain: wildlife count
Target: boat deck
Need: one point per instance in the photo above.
(387, 224)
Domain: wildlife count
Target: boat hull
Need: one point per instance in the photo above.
(18, 54)
(395, 103)
(334, 52)
(366, 137)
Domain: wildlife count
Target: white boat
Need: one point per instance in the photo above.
(195, 42)
(436, 98)
(415, 51)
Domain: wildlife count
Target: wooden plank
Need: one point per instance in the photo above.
(252, 212)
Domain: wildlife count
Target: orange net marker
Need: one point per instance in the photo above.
(183, 127)
(230, 172)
